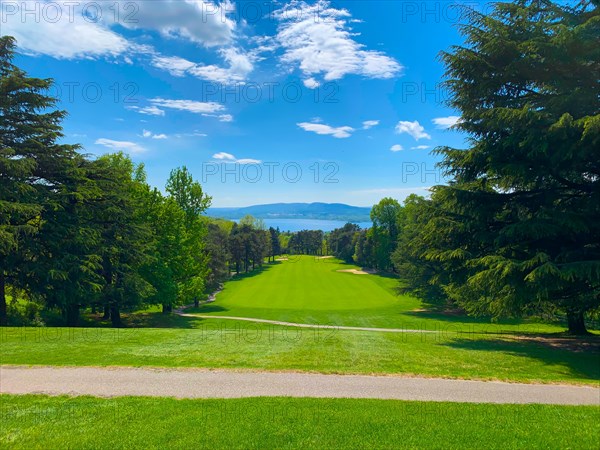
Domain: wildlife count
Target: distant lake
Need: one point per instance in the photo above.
(308, 224)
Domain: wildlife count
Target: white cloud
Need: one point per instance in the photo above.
(229, 158)
(420, 147)
(200, 21)
(125, 146)
(413, 129)
(239, 66)
(446, 122)
(321, 128)
(73, 30)
(224, 156)
(173, 64)
(396, 148)
(59, 29)
(317, 39)
(225, 118)
(311, 83)
(370, 124)
(148, 110)
(188, 105)
(149, 134)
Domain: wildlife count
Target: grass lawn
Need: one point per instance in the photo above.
(35, 421)
(306, 289)
(312, 291)
(231, 344)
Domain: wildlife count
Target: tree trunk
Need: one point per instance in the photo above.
(196, 302)
(106, 315)
(576, 323)
(115, 316)
(94, 309)
(3, 316)
(72, 315)
(166, 309)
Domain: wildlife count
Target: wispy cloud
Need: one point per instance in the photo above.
(125, 146)
(327, 46)
(229, 158)
(370, 124)
(148, 110)
(396, 148)
(446, 122)
(239, 65)
(323, 129)
(188, 105)
(420, 147)
(150, 134)
(221, 117)
(413, 129)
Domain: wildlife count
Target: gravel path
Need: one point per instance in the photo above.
(195, 383)
(304, 325)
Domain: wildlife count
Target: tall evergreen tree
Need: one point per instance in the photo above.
(33, 165)
(125, 235)
(521, 215)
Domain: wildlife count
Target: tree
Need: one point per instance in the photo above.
(341, 241)
(521, 215)
(126, 238)
(33, 164)
(275, 243)
(65, 269)
(189, 195)
(384, 233)
(418, 233)
(166, 264)
(218, 251)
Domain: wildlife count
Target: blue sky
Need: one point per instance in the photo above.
(263, 101)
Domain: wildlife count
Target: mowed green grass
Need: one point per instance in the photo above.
(227, 344)
(35, 421)
(307, 289)
(312, 291)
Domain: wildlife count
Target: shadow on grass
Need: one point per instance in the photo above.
(143, 320)
(581, 357)
(253, 273)
(206, 308)
(458, 316)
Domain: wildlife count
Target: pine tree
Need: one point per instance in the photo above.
(521, 216)
(33, 166)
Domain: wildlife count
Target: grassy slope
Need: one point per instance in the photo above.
(229, 344)
(84, 422)
(310, 290)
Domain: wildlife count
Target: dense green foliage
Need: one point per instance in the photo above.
(517, 229)
(80, 233)
(38, 173)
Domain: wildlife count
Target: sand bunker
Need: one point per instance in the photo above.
(358, 272)
(281, 259)
(324, 257)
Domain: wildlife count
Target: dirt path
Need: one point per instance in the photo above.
(304, 325)
(194, 383)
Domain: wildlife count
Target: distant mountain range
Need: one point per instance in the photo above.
(320, 211)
